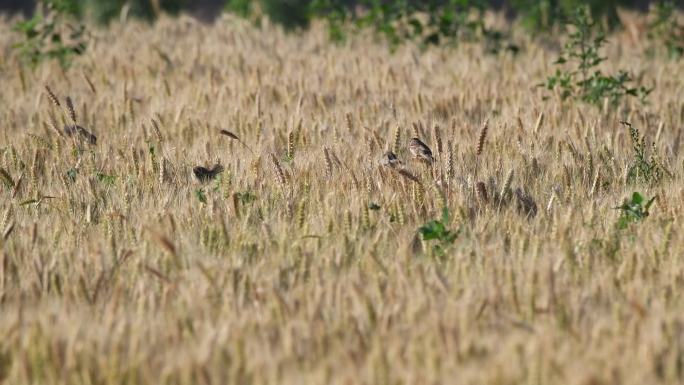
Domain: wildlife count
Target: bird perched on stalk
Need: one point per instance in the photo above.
(389, 159)
(420, 151)
(204, 174)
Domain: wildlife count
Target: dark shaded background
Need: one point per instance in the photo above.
(204, 9)
(209, 9)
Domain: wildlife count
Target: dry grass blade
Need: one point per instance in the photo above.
(90, 83)
(595, 183)
(157, 274)
(17, 186)
(540, 121)
(7, 231)
(235, 137)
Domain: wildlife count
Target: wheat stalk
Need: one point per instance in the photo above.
(53, 98)
(163, 177)
(157, 130)
(482, 138)
(235, 137)
(396, 144)
(278, 171)
(328, 163)
(290, 145)
(438, 139)
(70, 109)
(505, 189)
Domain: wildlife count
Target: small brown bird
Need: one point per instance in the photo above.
(420, 151)
(389, 159)
(71, 130)
(204, 174)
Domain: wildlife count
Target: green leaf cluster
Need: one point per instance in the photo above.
(437, 231)
(633, 210)
(579, 76)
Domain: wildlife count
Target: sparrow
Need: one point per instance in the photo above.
(389, 159)
(75, 129)
(204, 174)
(420, 151)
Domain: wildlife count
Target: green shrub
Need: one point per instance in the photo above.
(543, 15)
(666, 31)
(436, 232)
(633, 210)
(52, 33)
(104, 11)
(428, 22)
(243, 8)
(644, 169)
(584, 80)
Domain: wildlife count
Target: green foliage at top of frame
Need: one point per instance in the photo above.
(579, 76)
(428, 22)
(244, 8)
(665, 30)
(543, 15)
(52, 33)
(56, 31)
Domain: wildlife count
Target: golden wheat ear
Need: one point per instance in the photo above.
(71, 109)
(53, 98)
(482, 138)
(235, 137)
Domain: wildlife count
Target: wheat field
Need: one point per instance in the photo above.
(301, 262)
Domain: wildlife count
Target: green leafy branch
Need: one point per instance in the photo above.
(585, 81)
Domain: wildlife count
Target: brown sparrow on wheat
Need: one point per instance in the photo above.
(420, 151)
